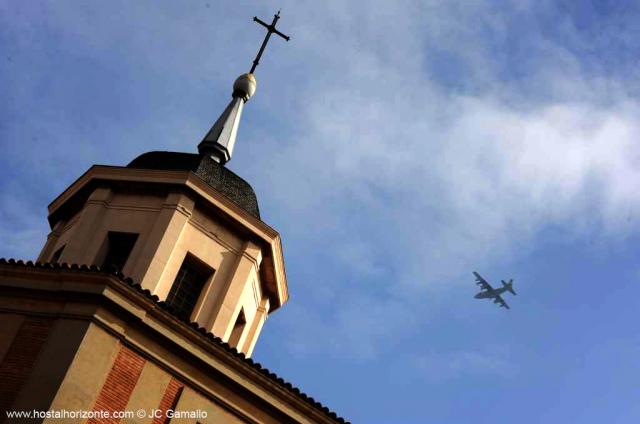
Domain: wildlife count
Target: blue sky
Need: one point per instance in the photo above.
(396, 146)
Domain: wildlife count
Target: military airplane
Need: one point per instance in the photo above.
(488, 292)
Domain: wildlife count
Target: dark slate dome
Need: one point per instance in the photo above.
(214, 174)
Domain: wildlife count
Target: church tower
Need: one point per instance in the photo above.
(182, 225)
(150, 294)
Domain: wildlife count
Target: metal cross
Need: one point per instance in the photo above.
(270, 29)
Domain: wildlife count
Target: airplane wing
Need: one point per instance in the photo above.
(500, 300)
(482, 282)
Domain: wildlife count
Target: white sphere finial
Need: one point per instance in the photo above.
(245, 86)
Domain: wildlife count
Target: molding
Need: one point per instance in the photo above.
(255, 289)
(213, 236)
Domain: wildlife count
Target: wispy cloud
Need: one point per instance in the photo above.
(395, 147)
(430, 181)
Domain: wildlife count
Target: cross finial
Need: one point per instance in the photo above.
(270, 29)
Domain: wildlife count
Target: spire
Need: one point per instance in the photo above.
(219, 141)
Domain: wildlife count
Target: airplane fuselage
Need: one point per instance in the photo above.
(489, 294)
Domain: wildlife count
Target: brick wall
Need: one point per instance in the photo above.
(119, 385)
(18, 362)
(169, 400)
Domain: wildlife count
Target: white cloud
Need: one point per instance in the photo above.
(408, 166)
(430, 181)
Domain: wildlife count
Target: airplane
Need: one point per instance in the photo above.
(488, 292)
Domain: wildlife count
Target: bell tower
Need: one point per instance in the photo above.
(149, 295)
(183, 226)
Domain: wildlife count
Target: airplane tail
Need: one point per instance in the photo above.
(509, 286)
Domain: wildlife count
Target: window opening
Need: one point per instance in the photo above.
(188, 285)
(57, 254)
(238, 328)
(118, 248)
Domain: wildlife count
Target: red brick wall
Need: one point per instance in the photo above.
(169, 400)
(20, 357)
(119, 385)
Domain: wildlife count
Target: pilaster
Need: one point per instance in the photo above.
(256, 326)
(162, 239)
(83, 246)
(52, 238)
(229, 304)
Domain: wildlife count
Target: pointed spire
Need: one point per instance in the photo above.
(219, 141)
